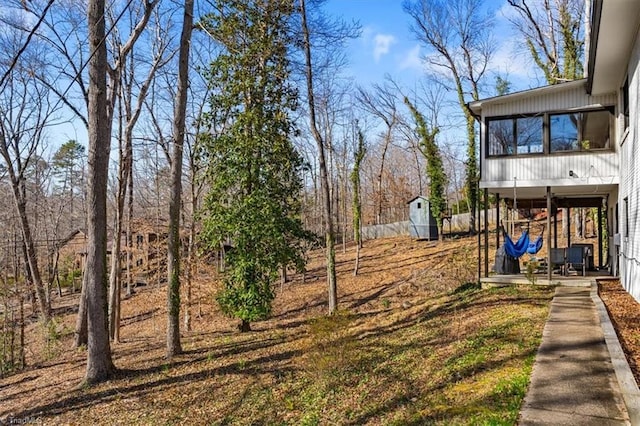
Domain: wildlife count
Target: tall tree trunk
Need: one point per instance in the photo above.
(356, 202)
(190, 260)
(81, 337)
(115, 282)
(33, 299)
(387, 140)
(129, 230)
(99, 364)
(31, 255)
(173, 256)
(115, 276)
(21, 352)
(324, 179)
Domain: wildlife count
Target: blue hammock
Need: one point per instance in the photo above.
(535, 246)
(518, 248)
(523, 245)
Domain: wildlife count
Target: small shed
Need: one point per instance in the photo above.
(422, 224)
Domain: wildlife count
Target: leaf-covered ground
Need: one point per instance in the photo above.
(624, 312)
(412, 344)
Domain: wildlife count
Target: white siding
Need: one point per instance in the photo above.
(599, 168)
(556, 101)
(630, 184)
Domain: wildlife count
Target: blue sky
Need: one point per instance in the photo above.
(387, 46)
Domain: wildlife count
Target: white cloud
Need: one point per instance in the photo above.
(412, 60)
(382, 44)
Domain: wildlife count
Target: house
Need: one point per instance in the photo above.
(148, 248)
(71, 250)
(575, 144)
(422, 224)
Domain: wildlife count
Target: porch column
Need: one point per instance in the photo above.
(555, 228)
(479, 236)
(600, 236)
(497, 220)
(486, 232)
(549, 233)
(569, 230)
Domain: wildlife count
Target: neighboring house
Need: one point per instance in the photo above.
(71, 250)
(148, 247)
(149, 241)
(576, 144)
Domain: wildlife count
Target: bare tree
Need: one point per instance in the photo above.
(114, 73)
(64, 31)
(25, 113)
(132, 103)
(381, 102)
(458, 37)
(358, 155)
(173, 258)
(553, 34)
(198, 97)
(322, 159)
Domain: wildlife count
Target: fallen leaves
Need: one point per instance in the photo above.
(624, 312)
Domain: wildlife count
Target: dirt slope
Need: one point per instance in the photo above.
(279, 371)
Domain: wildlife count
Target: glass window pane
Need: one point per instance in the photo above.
(564, 132)
(501, 137)
(580, 131)
(595, 130)
(529, 135)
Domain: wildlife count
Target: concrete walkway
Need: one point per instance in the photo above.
(579, 377)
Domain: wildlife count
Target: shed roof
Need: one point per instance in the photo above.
(415, 198)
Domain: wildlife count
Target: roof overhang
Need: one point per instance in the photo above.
(476, 106)
(614, 27)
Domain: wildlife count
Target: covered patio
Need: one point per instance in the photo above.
(563, 257)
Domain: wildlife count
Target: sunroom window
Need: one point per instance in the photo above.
(517, 135)
(549, 133)
(529, 135)
(501, 137)
(580, 131)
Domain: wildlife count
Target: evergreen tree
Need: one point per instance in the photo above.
(66, 163)
(253, 167)
(68, 168)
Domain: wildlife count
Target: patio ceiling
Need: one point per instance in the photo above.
(574, 196)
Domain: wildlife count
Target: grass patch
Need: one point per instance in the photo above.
(430, 371)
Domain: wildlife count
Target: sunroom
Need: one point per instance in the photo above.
(544, 152)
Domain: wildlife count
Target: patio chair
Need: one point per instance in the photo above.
(576, 257)
(557, 258)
